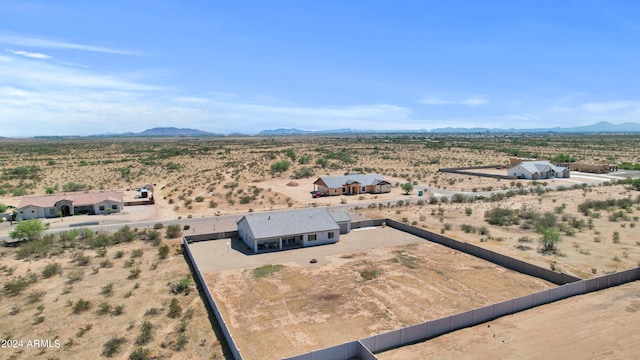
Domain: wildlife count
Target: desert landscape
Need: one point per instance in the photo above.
(590, 218)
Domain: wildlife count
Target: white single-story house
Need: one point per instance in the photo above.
(50, 206)
(291, 229)
(352, 184)
(534, 170)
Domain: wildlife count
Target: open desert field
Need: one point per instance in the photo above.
(283, 309)
(202, 177)
(591, 326)
(90, 302)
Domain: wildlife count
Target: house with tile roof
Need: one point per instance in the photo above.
(282, 230)
(352, 184)
(49, 206)
(535, 170)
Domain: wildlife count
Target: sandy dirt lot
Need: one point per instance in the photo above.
(46, 309)
(599, 325)
(298, 309)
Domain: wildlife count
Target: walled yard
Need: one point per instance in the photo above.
(274, 312)
(562, 330)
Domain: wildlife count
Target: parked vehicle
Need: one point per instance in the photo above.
(316, 194)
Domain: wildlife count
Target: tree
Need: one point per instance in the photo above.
(28, 229)
(550, 237)
(407, 187)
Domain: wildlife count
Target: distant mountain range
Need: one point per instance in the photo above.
(600, 127)
(162, 132)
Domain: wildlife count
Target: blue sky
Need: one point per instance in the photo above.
(90, 67)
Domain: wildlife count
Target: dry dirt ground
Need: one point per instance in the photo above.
(45, 310)
(600, 325)
(301, 308)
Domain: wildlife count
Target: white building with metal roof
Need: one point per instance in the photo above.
(281, 230)
(534, 170)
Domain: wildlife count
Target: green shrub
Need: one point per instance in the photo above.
(81, 306)
(173, 231)
(175, 310)
(163, 251)
(112, 346)
(145, 333)
(51, 269)
(266, 270)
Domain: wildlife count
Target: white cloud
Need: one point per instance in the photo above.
(610, 106)
(28, 74)
(28, 54)
(39, 42)
(471, 101)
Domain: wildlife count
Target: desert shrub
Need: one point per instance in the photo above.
(199, 199)
(124, 234)
(186, 227)
(155, 237)
(118, 254)
(37, 246)
(72, 186)
(104, 308)
(140, 354)
(145, 333)
(107, 290)
(181, 286)
(369, 274)
(100, 240)
(279, 167)
(158, 226)
(112, 346)
(136, 253)
(303, 172)
(118, 310)
(101, 252)
(501, 216)
(163, 251)
(468, 228)
(18, 284)
(246, 199)
(35, 296)
(75, 276)
(81, 259)
(51, 269)
(213, 204)
(173, 231)
(175, 310)
(81, 306)
(266, 270)
(134, 273)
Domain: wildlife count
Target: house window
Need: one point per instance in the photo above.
(101, 208)
(335, 191)
(331, 235)
(344, 190)
(363, 189)
(52, 211)
(312, 237)
(114, 207)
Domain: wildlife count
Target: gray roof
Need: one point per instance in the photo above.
(286, 223)
(363, 179)
(340, 216)
(540, 166)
